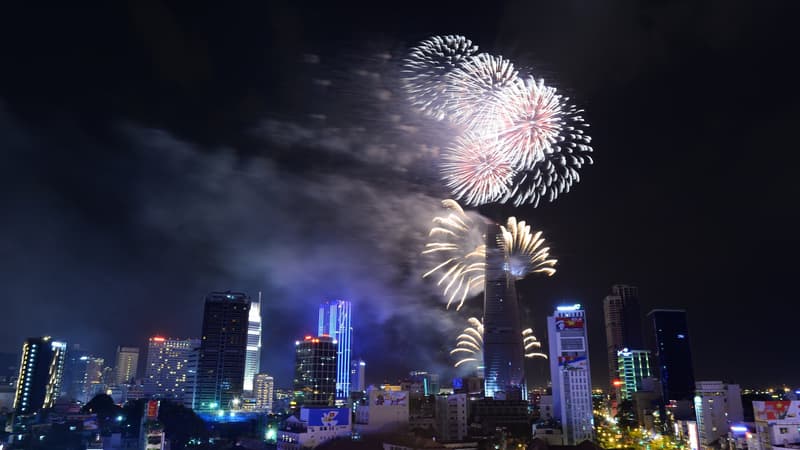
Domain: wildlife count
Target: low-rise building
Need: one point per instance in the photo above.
(386, 410)
(452, 412)
(777, 424)
(315, 426)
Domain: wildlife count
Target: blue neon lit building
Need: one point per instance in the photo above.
(335, 321)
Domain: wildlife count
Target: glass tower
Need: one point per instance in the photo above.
(41, 370)
(671, 331)
(253, 360)
(504, 373)
(335, 321)
(315, 371)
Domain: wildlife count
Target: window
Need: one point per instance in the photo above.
(784, 430)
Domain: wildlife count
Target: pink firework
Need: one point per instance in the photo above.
(476, 170)
(532, 120)
(476, 89)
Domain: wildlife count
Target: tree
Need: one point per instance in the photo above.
(626, 415)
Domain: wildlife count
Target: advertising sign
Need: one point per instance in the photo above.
(328, 417)
(776, 410)
(151, 412)
(390, 398)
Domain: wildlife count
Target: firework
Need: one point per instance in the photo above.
(476, 170)
(462, 262)
(469, 344)
(524, 252)
(475, 90)
(530, 343)
(427, 65)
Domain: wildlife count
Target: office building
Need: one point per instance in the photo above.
(570, 373)
(424, 383)
(777, 424)
(315, 371)
(623, 321)
(127, 363)
(718, 407)
(220, 367)
(633, 366)
(335, 321)
(674, 356)
(452, 412)
(314, 427)
(74, 373)
(40, 375)
(169, 370)
(504, 373)
(263, 392)
(94, 378)
(253, 360)
(386, 411)
(357, 373)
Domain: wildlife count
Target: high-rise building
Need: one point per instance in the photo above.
(335, 321)
(168, 373)
(671, 332)
(357, 373)
(263, 391)
(717, 406)
(623, 320)
(504, 373)
(74, 372)
(570, 373)
(633, 368)
(94, 377)
(127, 363)
(428, 383)
(223, 348)
(41, 370)
(452, 412)
(253, 361)
(315, 371)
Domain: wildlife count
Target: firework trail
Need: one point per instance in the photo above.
(469, 344)
(463, 263)
(426, 67)
(477, 170)
(476, 88)
(524, 251)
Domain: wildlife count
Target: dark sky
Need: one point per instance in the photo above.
(155, 151)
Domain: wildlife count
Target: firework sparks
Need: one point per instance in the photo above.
(476, 170)
(462, 264)
(425, 69)
(476, 87)
(530, 343)
(524, 252)
(469, 344)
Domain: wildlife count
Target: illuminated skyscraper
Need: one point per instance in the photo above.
(263, 391)
(74, 372)
(357, 373)
(335, 321)
(40, 375)
(169, 373)
(570, 373)
(220, 366)
(623, 322)
(315, 371)
(504, 372)
(671, 332)
(126, 366)
(633, 366)
(253, 360)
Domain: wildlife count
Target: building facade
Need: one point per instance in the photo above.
(633, 367)
(40, 375)
(570, 373)
(358, 370)
(674, 356)
(74, 373)
(314, 427)
(253, 360)
(623, 321)
(335, 320)
(717, 406)
(387, 410)
(315, 371)
(264, 392)
(777, 424)
(126, 367)
(452, 414)
(223, 347)
(503, 352)
(169, 371)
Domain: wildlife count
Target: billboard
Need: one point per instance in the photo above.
(565, 323)
(151, 411)
(390, 398)
(776, 410)
(328, 417)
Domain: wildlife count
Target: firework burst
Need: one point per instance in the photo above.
(524, 252)
(475, 90)
(477, 170)
(469, 344)
(531, 344)
(462, 262)
(426, 66)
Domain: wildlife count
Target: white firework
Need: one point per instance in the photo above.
(469, 344)
(524, 251)
(531, 344)
(476, 170)
(475, 90)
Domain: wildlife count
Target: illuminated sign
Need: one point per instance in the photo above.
(574, 307)
(693, 443)
(327, 417)
(157, 339)
(152, 409)
(776, 410)
(565, 323)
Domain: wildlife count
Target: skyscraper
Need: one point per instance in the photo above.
(623, 325)
(93, 378)
(570, 373)
(223, 348)
(74, 372)
(40, 375)
(504, 373)
(168, 373)
(671, 332)
(127, 364)
(315, 371)
(357, 373)
(633, 367)
(263, 391)
(253, 360)
(335, 321)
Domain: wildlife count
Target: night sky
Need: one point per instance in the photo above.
(153, 152)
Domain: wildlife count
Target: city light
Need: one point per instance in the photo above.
(574, 307)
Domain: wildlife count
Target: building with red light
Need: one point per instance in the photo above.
(315, 371)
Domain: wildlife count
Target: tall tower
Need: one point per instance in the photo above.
(169, 373)
(357, 374)
(504, 373)
(126, 365)
(671, 331)
(253, 361)
(335, 321)
(263, 392)
(623, 325)
(40, 373)
(220, 367)
(570, 373)
(315, 371)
